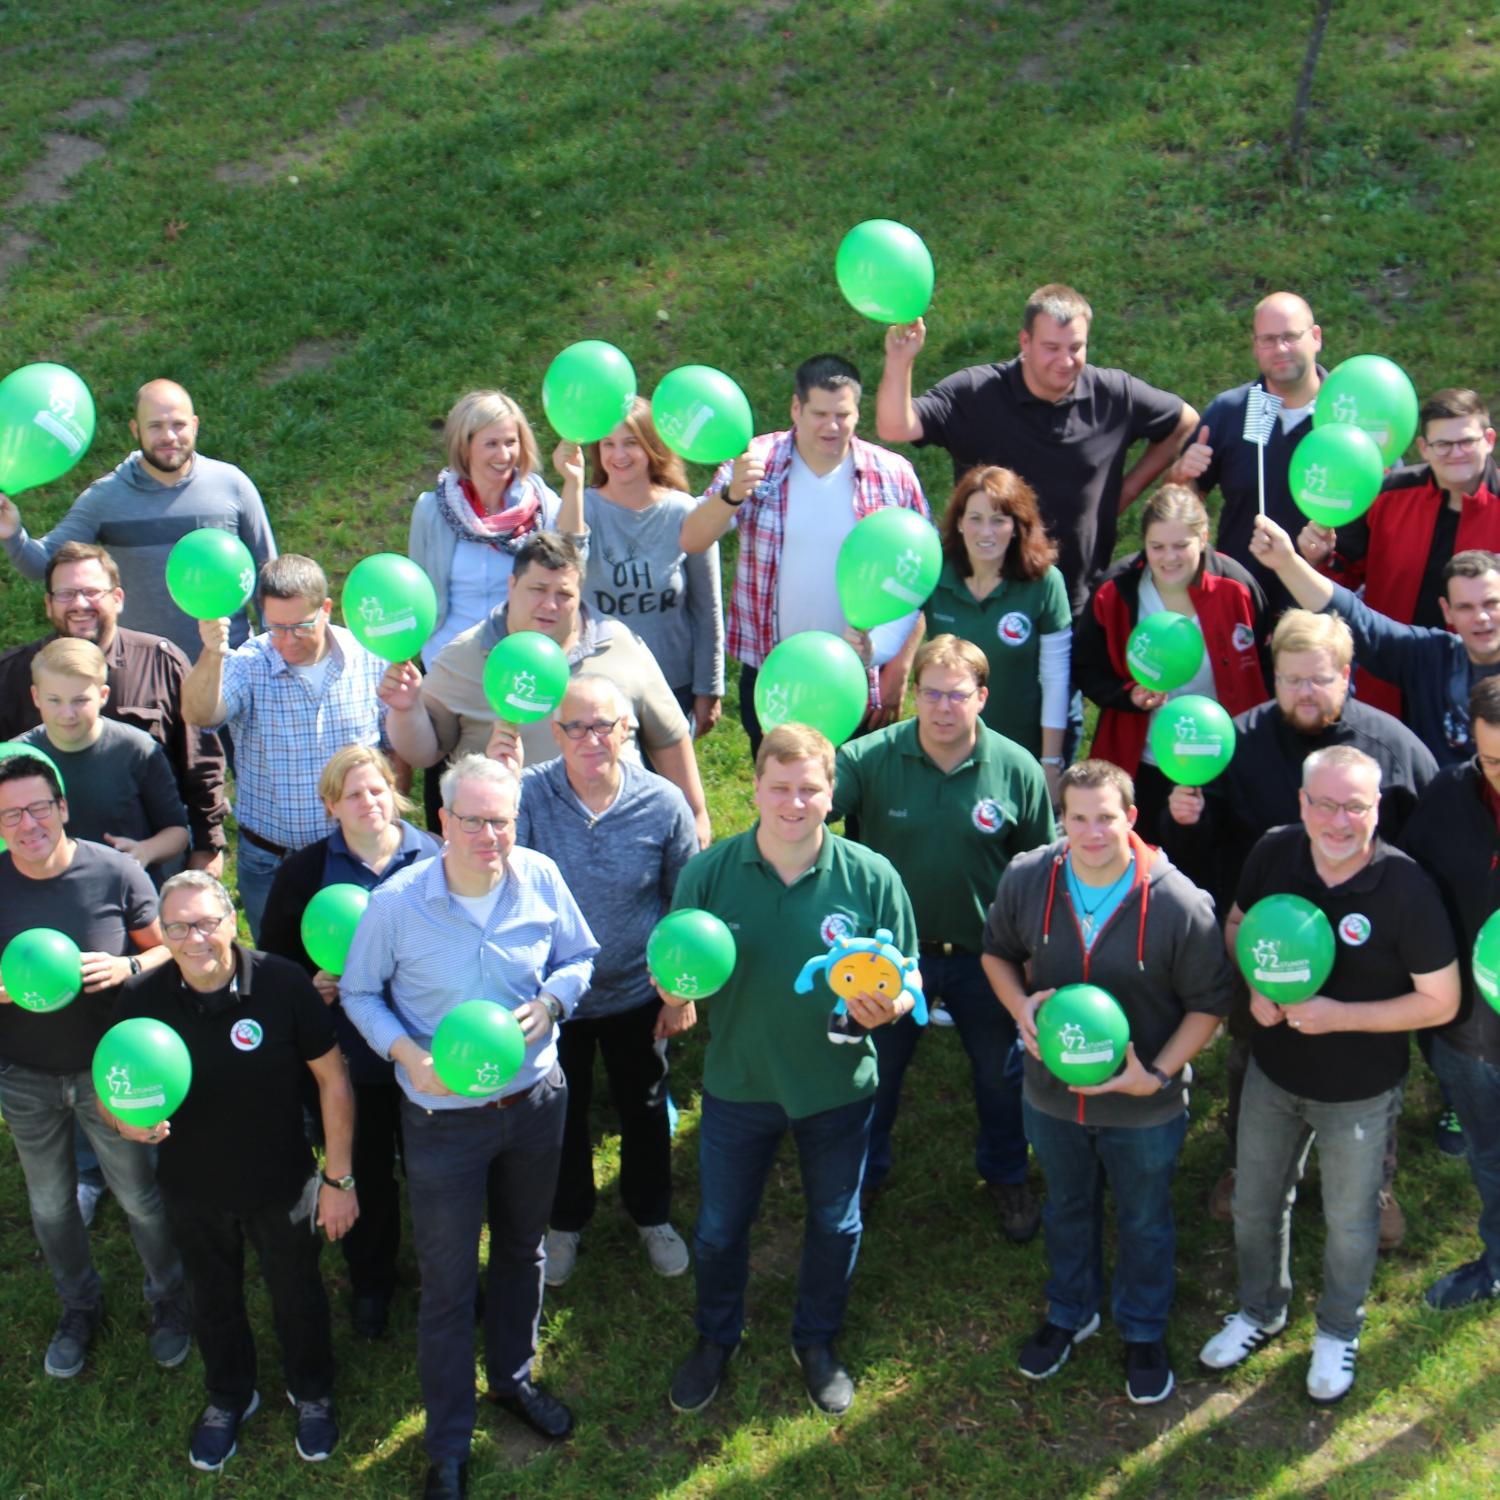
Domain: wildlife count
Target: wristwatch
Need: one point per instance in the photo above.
(553, 1006)
(1164, 1079)
(1054, 760)
(135, 965)
(343, 1184)
(732, 504)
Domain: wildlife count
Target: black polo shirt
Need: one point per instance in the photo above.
(1388, 923)
(237, 1140)
(1071, 452)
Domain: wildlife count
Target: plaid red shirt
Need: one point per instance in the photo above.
(881, 478)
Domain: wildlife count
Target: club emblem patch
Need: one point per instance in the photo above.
(988, 815)
(1355, 929)
(1014, 628)
(246, 1035)
(834, 926)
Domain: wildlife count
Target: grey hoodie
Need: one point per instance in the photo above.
(1161, 954)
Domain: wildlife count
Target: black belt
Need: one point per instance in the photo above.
(266, 844)
(945, 950)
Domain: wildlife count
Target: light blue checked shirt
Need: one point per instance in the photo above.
(284, 733)
(416, 945)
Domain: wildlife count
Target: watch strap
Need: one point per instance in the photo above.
(343, 1184)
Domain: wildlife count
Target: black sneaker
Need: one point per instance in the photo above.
(844, 1028)
(1020, 1213)
(370, 1315)
(1047, 1350)
(317, 1432)
(828, 1382)
(216, 1437)
(69, 1350)
(696, 1382)
(171, 1331)
(1148, 1372)
(1469, 1283)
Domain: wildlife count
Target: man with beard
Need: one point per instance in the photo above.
(1210, 832)
(164, 490)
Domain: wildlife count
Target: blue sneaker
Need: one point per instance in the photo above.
(317, 1432)
(216, 1437)
(1449, 1133)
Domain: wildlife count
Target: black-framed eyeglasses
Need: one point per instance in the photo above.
(204, 927)
(67, 596)
(1447, 447)
(579, 729)
(470, 823)
(40, 812)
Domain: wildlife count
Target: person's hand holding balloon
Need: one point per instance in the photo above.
(419, 1068)
(1026, 1021)
(567, 459)
(10, 518)
(904, 341)
(1146, 698)
(749, 469)
(401, 687)
(1133, 1078)
(1266, 1012)
(215, 635)
(1318, 1016)
(1316, 543)
(1185, 805)
(1270, 546)
(327, 985)
(673, 1020)
(504, 745)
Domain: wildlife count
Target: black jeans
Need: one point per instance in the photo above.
(212, 1244)
(636, 1064)
(370, 1247)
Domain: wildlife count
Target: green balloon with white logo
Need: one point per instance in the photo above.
(1285, 948)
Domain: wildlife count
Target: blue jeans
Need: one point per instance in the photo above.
(1138, 1164)
(464, 1166)
(1473, 1085)
(737, 1144)
(1276, 1132)
(41, 1110)
(255, 869)
(989, 1037)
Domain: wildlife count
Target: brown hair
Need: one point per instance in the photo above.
(547, 549)
(74, 552)
(663, 466)
(1470, 564)
(1484, 701)
(1096, 773)
(1179, 505)
(1031, 551)
(1452, 401)
(1061, 303)
(954, 654)
(795, 742)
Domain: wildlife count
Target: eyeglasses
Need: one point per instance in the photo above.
(204, 927)
(1282, 340)
(1298, 683)
(1326, 807)
(1447, 447)
(89, 596)
(302, 630)
(471, 824)
(40, 812)
(577, 729)
(957, 697)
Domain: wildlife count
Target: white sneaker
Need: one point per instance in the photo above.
(562, 1255)
(1331, 1372)
(89, 1194)
(668, 1253)
(1237, 1340)
(938, 1014)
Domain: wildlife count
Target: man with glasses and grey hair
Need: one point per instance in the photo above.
(104, 901)
(234, 1163)
(290, 697)
(620, 835)
(486, 920)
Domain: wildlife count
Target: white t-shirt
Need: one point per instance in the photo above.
(1291, 415)
(479, 907)
(313, 673)
(1201, 682)
(819, 515)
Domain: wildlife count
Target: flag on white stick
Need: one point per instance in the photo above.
(1262, 411)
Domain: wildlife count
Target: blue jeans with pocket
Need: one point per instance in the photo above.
(1473, 1085)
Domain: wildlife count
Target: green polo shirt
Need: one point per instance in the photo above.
(767, 1044)
(1008, 627)
(949, 833)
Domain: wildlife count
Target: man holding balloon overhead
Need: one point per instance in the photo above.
(794, 498)
(1103, 909)
(160, 493)
(1330, 1055)
(460, 972)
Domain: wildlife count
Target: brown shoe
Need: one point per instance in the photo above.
(1392, 1221)
(1221, 1200)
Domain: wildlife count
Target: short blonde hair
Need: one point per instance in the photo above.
(795, 742)
(476, 411)
(1302, 630)
(956, 655)
(66, 657)
(351, 758)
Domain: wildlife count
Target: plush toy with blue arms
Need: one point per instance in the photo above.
(864, 966)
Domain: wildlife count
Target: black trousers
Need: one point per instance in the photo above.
(212, 1244)
(370, 1248)
(636, 1065)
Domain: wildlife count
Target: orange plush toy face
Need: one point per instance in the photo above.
(867, 973)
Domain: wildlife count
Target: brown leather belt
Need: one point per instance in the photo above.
(266, 844)
(506, 1101)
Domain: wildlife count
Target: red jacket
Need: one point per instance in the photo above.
(1231, 610)
(1387, 551)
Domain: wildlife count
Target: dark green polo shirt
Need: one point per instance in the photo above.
(1008, 627)
(767, 1044)
(949, 834)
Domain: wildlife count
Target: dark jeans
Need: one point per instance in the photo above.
(989, 1037)
(737, 1143)
(370, 1248)
(463, 1167)
(212, 1241)
(1138, 1164)
(637, 1067)
(1474, 1087)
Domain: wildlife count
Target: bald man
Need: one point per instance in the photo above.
(164, 490)
(1286, 341)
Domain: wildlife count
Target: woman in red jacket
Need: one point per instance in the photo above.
(1177, 570)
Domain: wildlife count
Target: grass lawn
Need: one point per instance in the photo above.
(330, 218)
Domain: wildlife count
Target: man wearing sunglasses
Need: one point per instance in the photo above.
(290, 697)
(950, 802)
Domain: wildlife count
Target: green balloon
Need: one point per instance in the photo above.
(1285, 948)
(1192, 738)
(1374, 393)
(11, 747)
(46, 425)
(41, 969)
(1081, 1033)
(478, 1048)
(142, 1071)
(525, 677)
(885, 271)
(702, 414)
(588, 391)
(1487, 960)
(1164, 651)
(390, 606)
(887, 567)
(690, 953)
(813, 678)
(210, 573)
(328, 923)
(1335, 474)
